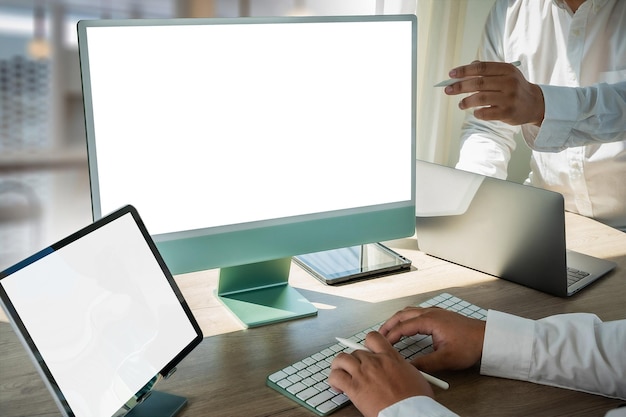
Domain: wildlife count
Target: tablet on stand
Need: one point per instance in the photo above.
(102, 319)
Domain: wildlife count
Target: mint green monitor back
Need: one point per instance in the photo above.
(248, 140)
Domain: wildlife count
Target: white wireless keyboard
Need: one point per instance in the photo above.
(305, 380)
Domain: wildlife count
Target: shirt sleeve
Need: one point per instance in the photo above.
(575, 351)
(579, 116)
(421, 406)
(617, 412)
(486, 147)
(427, 407)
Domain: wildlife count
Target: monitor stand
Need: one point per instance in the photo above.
(158, 404)
(259, 293)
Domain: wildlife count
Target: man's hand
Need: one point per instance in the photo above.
(375, 380)
(457, 340)
(500, 92)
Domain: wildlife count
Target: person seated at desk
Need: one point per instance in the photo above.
(568, 99)
(576, 351)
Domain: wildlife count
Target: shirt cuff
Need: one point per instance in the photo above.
(420, 406)
(508, 345)
(561, 113)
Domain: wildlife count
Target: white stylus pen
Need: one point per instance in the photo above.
(357, 346)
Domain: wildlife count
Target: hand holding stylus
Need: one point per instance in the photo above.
(497, 91)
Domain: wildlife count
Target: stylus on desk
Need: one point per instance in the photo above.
(357, 346)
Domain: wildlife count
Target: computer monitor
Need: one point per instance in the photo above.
(246, 141)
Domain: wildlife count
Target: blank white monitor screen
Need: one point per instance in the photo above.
(166, 108)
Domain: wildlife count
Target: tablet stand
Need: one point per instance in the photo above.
(158, 404)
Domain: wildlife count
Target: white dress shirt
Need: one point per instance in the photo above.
(579, 61)
(575, 351)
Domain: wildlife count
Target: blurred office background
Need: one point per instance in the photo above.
(44, 185)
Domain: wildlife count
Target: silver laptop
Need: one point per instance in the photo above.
(509, 230)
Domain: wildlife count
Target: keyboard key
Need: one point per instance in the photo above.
(284, 383)
(297, 387)
(277, 376)
(307, 393)
(290, 370)
(326, 407)
(341, 399)
(320, 398)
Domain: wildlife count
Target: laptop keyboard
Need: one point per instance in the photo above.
(305, 381)
(574, 275)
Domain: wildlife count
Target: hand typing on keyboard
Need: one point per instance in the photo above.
(306, 381)
(457, 339)
(374, 380)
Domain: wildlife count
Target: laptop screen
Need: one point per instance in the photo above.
(100, 315)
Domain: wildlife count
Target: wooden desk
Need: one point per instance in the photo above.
(225, 375)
